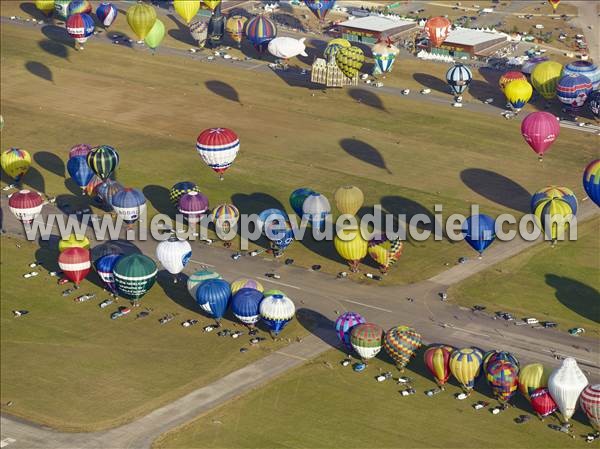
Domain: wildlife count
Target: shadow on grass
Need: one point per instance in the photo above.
(30, 9)
(182, 33)
(367, 97)
(40, 70)
(320, 326)
(432, 82)
(497, 188)
(72, 187)
(51, 162)
(55, 48)
(223, 90)
(119, 246)
(159, 198)
(582, 299)
(34, 179)
(364, 152)
(124, 39)
(57, 34)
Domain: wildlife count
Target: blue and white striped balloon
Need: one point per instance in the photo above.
(277, 311)
(459, 77)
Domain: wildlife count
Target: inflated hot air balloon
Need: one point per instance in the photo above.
(212, 4)
(107, 191)
(73, 241)
(246, 283)
(80, 27)
(61, 9)
(437, 30)
(350, 60)
(276, 311)
(437, 361)
(384, 251)
(297, 199)
(80, 171)
(91, 189)
(260, 31)
(181, 188)
(503, 377)
(554, 192)
(105, 266)
(134, 275)
(540, 129)
(553, 216)
(458, 78)
(272, 292)
(565, 385)
(530, 64)
(216, 28)
(384, 55)
(465, 365)
(79, 7)
(199, 31)
(366, 339)
(316, 208)
(213, 297)
(348, 199)
(141, 18)
(507, 77)
(320, 8)
(174, 254)
(75, 264)
(269, 216)
(353, 247)
(493, 356)
(479, 231)
(129, 204)
(518, 93)
(156, 35)
(245, 305)
(235, 28)
(573, 91)
(590, 404)
(591, 181)
(25, 205)
(81, 149)
(193, 205)
(186, 9)
(224, 216)
(585, 68)
(281, 235)
(401, 342)
(333, 47)
(106, 13)
(544, 78)
(103, 160)
(531, 378)
(344, 325)
(542, 402)
(594, 102)
(196, 279)
(287, 47)
(15, 163)
(45, 6)
(218, 148)
(554, 4)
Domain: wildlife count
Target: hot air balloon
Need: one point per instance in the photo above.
(281, 235)
(218, 148)
(540, 130)
(297, 199)
(106, 13)
(80, 27)
(320, 8)
(156, 35)
(122, 247)
(573, 91)
(80, 171)
(287, 47)
(317, 208)
(348, 199)
(344, 325)
(350, 60)
(542, 402)
(554, 192)
(586, 68)
(530, 64)
(260, 31)
(212, 4)
(107, 190)
(105, 266)
(458, 78)
(224, 216)
(544, 78)
(565, 384)
(594, 102)
(493, 356)
(235, 28)
(503, 377)
(333, 47)
(25, 205)
(437, 30)
(554, 4)
(465, 365)
(174, 255)
(591, 181)
(79, 7)
(180, 189)
(103, 160)
(479, 231)
(553, 217)
(73, 241)
(199, 31)
(531, 378)
(216, 28)
(507, 77)
(141, 18)
(129, 204)
(196, 279)
(276, 311)
(384, 251)
(186, 9)
(353, 247)
(245, 305)
(272, 292)
(15, 163)
(401, 342)
(437, 361)
(246, 283)
(590, 404)
(384, 55)
(91, 189)
(518, 93)
(270, 215)
(61, 9)
(193, 205)
(81, 149)
(366, 339)
(45, 6)
(75, 264)
(213, 297)
(135, 275)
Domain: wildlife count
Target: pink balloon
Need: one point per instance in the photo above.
(540, 130)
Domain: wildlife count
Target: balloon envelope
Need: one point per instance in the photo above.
(156, 34)
(508, 77)
(586, 68)
(544, 78)
(573, 90)
(75, 264)
(260, 31)
(218, 148)
(73, 241)
(437, 361)
(25, 205)
(590, 404)
(349, 199)
(106, 13)
(186, 9)
(181, 188)
(105, 266)
(80, 27)
(518, 93)
(287, 47)
(591, 181)
(80, 171)
(458, 78)
(542, 402)
(134, 275)
(437, 30)
(401, 342)
(196, 279)
(352, 247)
(551, 192)
(245, 305)
(213, 296)
(532, 377)
(565, 385)
(297, 199)
(103, 160)
(141, 18)
(503, 377)
(479, 231)
(465, 365)
(344, 325)
(174, 254)
(540, 130)
(129, 204)
(15, 163)
(276, 311)
(246, 283)
(366, 339)
(350, 60)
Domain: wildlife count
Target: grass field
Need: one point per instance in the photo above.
(559, 284)
(324, 405)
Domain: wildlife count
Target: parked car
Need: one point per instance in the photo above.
(105, 303)
(531, 320)
(84, 298)
(122, 311)
(549, 324)
(576, 331)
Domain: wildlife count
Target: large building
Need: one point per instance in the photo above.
(468, 42)
(329, 74)
(370, 29)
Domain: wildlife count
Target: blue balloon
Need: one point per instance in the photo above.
(104, 267)
(297, 199)
(479, 231)
(80, 171)
(459, 77)
(213, 297)
(245, 305)
(273, 214)
(106, 14)
(594, 101)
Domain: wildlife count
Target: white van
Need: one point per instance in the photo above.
(531, 320)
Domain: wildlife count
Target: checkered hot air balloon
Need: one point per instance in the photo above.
(103, 160)
(344, 325)
(573, 90)
(75, 263)
(385, 252)
(503, 377)
(180, 189)
(590, 404)
(245, 305)
(218, 148)
(591, 181)
(401, 342)
(542, 402)
(350, 60)
(366, 340)
(25, 205)
(437, 361)
(135, 275)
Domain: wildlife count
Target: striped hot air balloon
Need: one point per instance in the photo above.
(81, 149)
(75, 263)
(15, 163)
(91, 189)
(591, 181)
(586, 68)
(106, 13)
(344, 325)
(590, 404)
(573, 90)
(553, 216)
(401, 342)
(25, 205)
(105, 266)
(245, 305)
(542, 402)
(80, 27)
(550, 192)
(218, 148)
(196, 279)
(180, 189)
(129, 204)
(437, 361)
(366, 339)
(458, 78)
(235, 28)
(260, 31)
(508, 77)
(107, 191)
(276, 311)
(103, 160)
(246, 283)
(193, 205)
(135, 275)
(224, 216)
(465, 365)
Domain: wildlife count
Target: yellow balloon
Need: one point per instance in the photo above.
(212, 4)
(385, 252)
(553, 217)
(532, 377)
(518, 93)
(74, 241)
(349, 199)
(351, 246)
(15, 163)
(465, 365)
(46, 6)
(241, 283)
(141, 18)
(187, 9)
(235, 27)
(545, 77)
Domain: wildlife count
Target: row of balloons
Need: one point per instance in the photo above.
(562, 389)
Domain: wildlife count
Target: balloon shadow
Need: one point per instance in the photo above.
(289, 20)
(124, 247)
(366, 97)
(182, 33)
(403, 210)
(29, 8)
(72, 187)
(320, 326)
(177, 291)
(497, 188)
(223, 90)
(483, 91)
(56, 33)
(51, 162)
(123, 39)
(431, 82)
(323, 248)
(47, 253)
(34, 179)
(40, 70)
(364, 152)
(159, 198)
(582, 299)
(55, 48)
(74, 206)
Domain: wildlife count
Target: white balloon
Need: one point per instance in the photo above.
(287, 47)
(565, 384)
(316, 207)
(174, 254)
(277, 307)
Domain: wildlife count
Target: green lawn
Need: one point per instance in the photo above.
(559, 284)
(324, 405)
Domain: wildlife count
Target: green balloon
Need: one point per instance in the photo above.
(155, 35)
